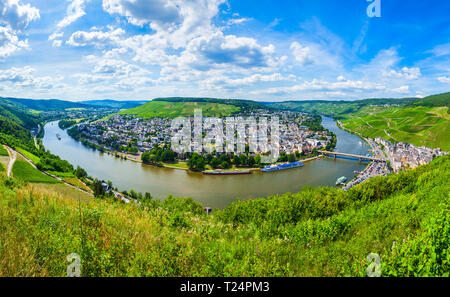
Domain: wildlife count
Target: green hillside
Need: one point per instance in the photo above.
(165, 109)
(405, 218)
(46, 105)
(435, 100)
(419, 125)
(338, 108)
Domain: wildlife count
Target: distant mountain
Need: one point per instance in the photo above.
(45, 105)
(114, 103)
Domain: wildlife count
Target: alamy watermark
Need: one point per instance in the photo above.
(374, 9)
(374, 268)
(230, 135)
(74, 268)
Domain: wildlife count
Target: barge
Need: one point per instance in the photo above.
(283, 167)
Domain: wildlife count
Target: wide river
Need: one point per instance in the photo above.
(211, 191)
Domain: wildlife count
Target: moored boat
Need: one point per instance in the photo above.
(341, 180)
(283, 167)
(214, 172)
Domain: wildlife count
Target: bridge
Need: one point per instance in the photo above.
(335, 154)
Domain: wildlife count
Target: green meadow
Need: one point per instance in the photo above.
(22, 170)
(3, 151)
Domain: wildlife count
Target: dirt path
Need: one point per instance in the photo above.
(12, 160)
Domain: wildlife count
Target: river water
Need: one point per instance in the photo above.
(211, 191)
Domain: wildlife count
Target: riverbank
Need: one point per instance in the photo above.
(210, 191)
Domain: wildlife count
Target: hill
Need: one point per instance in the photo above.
(404, 218)
(425, 122)
(174, 109)
(18, 113)
(338, 108)
(114, 103)
(46, 105)
(435, 100)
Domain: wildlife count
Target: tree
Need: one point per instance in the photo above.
(196, 162)
(243, 160)
(291, 158)
(226, 165)
(258, 160)
(80, 172)
(99, 191)
(251, 161)
(215, 162)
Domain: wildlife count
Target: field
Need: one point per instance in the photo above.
(29, 155)
(173, 110)
(24, 171)
(405, 218)
(3, 151)
(419, 125)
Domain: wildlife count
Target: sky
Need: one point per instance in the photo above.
(265, 50)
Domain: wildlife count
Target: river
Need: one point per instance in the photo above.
(211, 191)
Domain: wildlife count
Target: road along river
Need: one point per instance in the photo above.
(211, 191)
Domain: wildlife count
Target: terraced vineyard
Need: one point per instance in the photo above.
(165, 109)
(419, 125)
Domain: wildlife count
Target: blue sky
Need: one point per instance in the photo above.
(263, 50)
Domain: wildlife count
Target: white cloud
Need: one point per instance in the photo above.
(237, 21)
(23, 77)
(17, 15)
(444, 79)
(9, 42)
(14, 18)
(75, 10)
(405, 73)
(220, 49)
(402, 89)
(317, 85)
(224, 81)
(302, 54)
(140, 12)
(96, 38)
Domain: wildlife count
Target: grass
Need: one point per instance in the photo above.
(29, 155)
(77, 183)
(419, 125)
(24, 171)
(317, 232)
(164, 109)
(182, 165)
(3, 151)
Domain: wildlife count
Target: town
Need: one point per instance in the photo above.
(298, 133)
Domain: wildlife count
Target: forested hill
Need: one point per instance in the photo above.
(439, 100)
(18, 113)
(339, 108)
(45, 105)
(114, 103)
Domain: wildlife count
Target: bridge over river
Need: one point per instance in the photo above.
(335, 154)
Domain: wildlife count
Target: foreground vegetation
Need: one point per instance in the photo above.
(405, 218)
